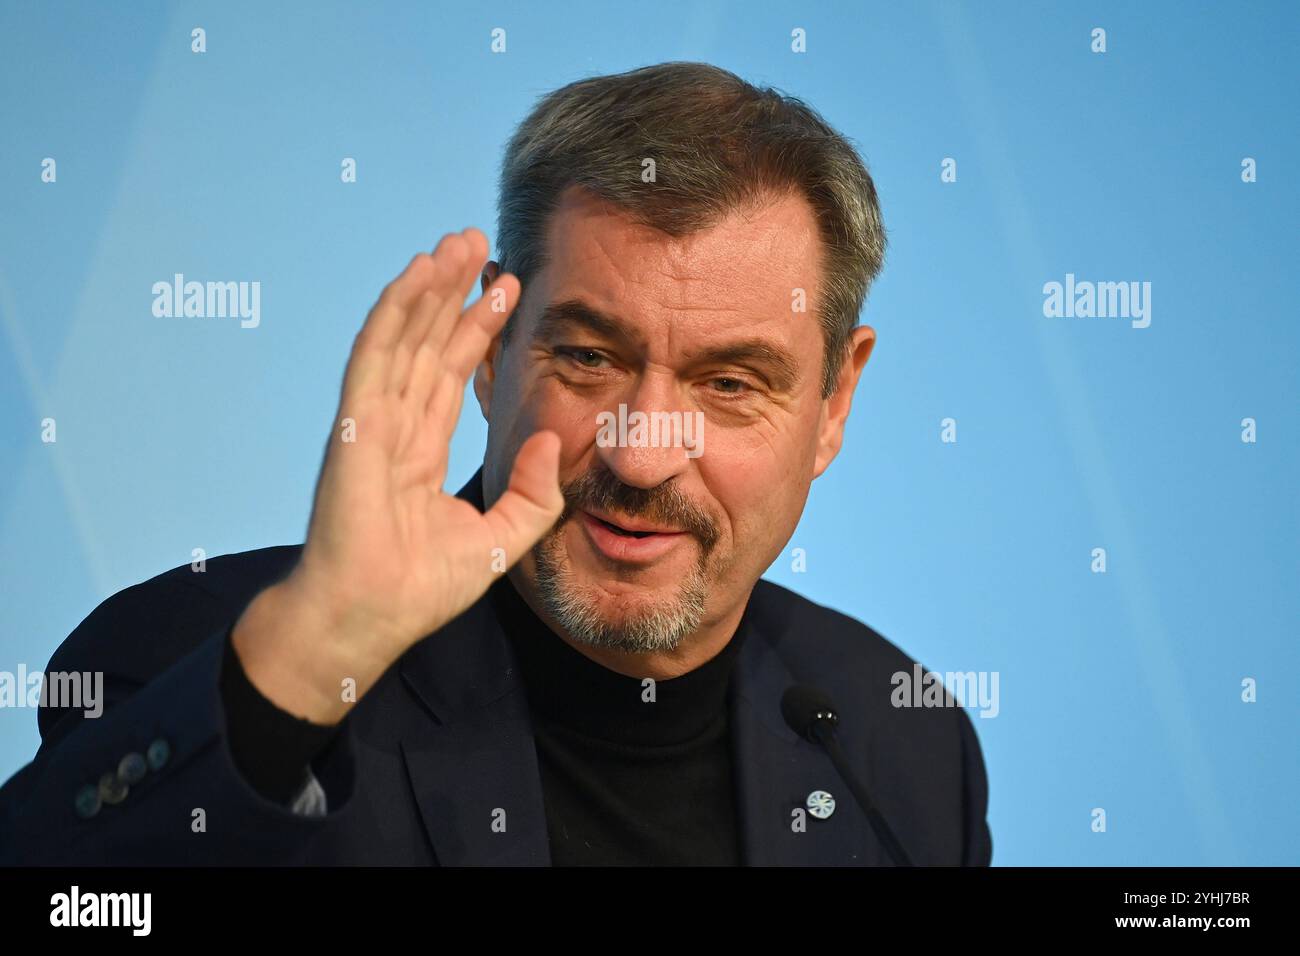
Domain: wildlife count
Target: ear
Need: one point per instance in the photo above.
(485, 374)
(835, 409)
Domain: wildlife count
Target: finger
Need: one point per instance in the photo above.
(402, 292)
(366, 372)
(442, 402)
(480, 323)
(371, 358)
(445, 321)
(455, 255)
(443, 411)
(533, 501)
(399, 372)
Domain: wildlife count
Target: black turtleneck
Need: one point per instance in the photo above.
(632, 774)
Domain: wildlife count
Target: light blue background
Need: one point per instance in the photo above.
(1119, 691)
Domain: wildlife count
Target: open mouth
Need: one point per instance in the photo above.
(637, 546)
(623, 531)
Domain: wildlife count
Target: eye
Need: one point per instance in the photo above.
(587, 358)
(729, 386)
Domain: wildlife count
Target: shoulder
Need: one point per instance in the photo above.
(143, 628)
(922, 750)
(820, 636)
(135, 634)
(876, 685)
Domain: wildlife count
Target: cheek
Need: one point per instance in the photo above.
(751, 477)
(768, 450)
(570, 415)
(760, 477)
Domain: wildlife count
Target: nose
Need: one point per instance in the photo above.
(648, 428)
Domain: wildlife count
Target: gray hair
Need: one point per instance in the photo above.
(718, 144)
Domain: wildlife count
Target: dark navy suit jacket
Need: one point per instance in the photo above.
(443, 742)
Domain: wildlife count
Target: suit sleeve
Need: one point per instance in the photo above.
(977, 845)
(147, 776)
(272, 748)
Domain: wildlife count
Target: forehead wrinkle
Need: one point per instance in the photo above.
(653, 280)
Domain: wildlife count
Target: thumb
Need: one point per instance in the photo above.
(532, 502)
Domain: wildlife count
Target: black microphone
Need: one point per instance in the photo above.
(811, 715)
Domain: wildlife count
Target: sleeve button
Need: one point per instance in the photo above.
(87, 802)
(158, 753)
(111, 789)
(132, 769)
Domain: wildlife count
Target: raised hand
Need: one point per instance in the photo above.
(390, 557)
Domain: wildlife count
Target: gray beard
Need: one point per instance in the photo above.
(575, 607)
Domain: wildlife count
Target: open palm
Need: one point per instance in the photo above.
(390, 553)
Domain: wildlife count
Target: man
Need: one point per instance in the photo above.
(573, 660)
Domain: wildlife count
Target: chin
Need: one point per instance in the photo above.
(597, 609)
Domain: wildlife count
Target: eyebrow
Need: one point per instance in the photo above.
(781, 368)
(571, 312)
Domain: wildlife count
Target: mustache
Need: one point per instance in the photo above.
(663, 504)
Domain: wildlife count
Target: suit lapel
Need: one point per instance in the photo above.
(473, 767)
(776, 770)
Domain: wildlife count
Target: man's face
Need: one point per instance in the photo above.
(665, 530)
